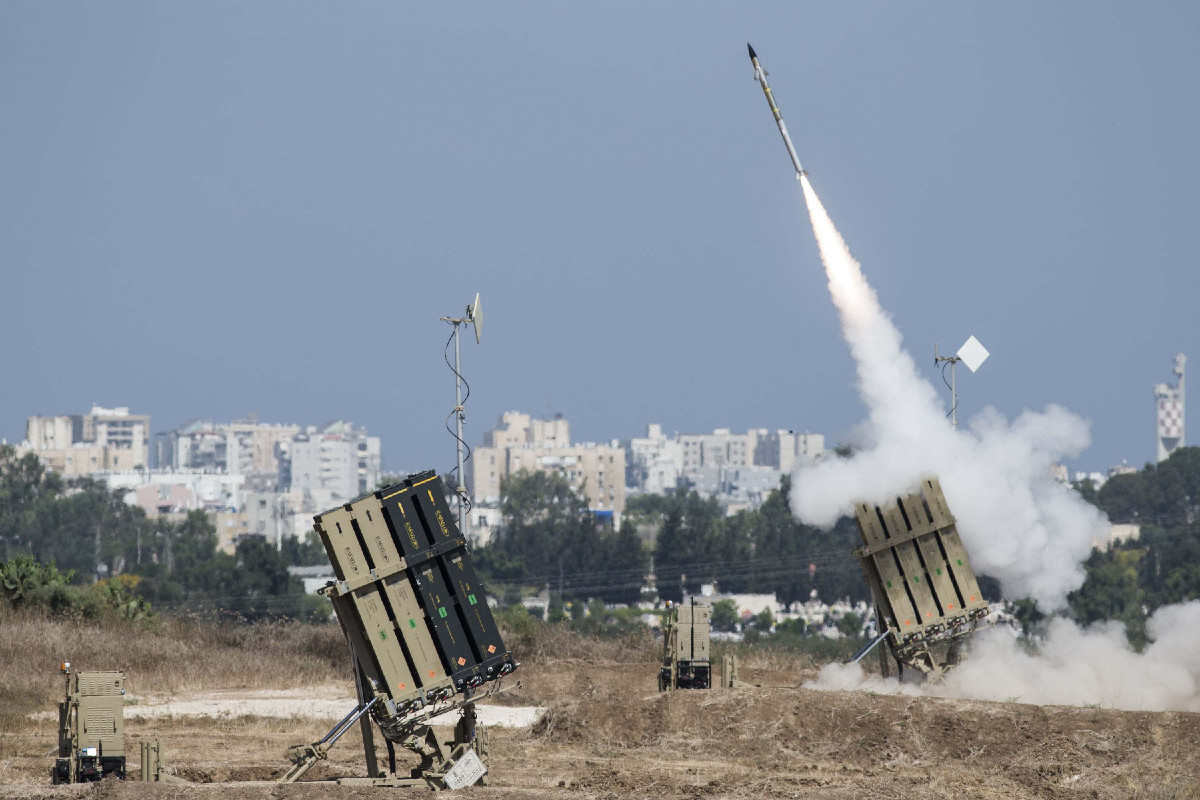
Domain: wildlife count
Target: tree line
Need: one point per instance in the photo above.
(1132, 579)
(88, 535)
(549, 539)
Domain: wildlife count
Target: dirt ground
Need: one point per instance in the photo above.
(608, 733)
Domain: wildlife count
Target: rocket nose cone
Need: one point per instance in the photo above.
(751, 49)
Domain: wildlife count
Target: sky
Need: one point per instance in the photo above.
(215, 209)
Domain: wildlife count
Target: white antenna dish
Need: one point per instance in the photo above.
(475, 315)
(972, 353)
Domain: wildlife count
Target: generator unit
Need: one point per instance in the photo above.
(422, 638)
(686, 662)
(91, 736)
(926, 594)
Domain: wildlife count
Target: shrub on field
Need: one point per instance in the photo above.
(25, 583)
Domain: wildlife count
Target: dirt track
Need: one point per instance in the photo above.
(609, 734)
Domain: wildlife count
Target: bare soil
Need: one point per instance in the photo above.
(608, 733)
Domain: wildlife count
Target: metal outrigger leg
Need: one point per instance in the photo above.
(305, 757)
(868, 648)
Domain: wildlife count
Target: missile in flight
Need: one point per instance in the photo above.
(760, 75)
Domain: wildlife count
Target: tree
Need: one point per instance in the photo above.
(625, 563)
(1132, 579)
(690, 543)
(1112, 591)
(125, 558)
(1169, 569)
(543, 519)
(850, 624)
(724, 616)
(305, 552)
(24, 482)
(1088, 491)
(1165, 494)
(764, 620)
(549, 537)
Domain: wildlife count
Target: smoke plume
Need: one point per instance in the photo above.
(1018, 524)
(1072, 667)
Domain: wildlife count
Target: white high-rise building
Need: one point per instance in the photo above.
(247, 447)
(757, 447)
(739, 468)
(785, 449)
(1169, 415)
(334, 463)
(655, 462)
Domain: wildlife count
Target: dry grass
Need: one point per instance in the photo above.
(608, 734)
(177, 656)
(541, 642)
(169, 656)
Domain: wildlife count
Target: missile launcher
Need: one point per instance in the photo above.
(925, 591)
(409, 599)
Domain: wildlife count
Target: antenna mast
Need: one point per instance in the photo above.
(973, 354)
(474, 315)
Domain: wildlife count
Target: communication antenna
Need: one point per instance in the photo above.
(474, 315)
(973, 354)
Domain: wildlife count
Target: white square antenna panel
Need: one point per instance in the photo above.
(973, 354)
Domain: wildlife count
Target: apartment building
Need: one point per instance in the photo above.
(334, 463)
(595, 471)
(259, 451)
(103, 440)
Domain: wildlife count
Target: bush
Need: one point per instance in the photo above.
(29, 585)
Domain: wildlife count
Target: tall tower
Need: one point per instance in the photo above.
(1170, 412)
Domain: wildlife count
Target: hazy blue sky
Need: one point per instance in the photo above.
(210, 209)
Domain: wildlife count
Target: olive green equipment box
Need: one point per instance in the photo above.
(926, 595)
(729, 673)
(686, 661)
(91, 737)
(422, 638)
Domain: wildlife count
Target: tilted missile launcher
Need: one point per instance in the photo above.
(409, 600)
(918, 570)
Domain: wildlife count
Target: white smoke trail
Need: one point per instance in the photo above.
(1017, 523)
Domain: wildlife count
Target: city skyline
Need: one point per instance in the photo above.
(158, 436)
(228, 208)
